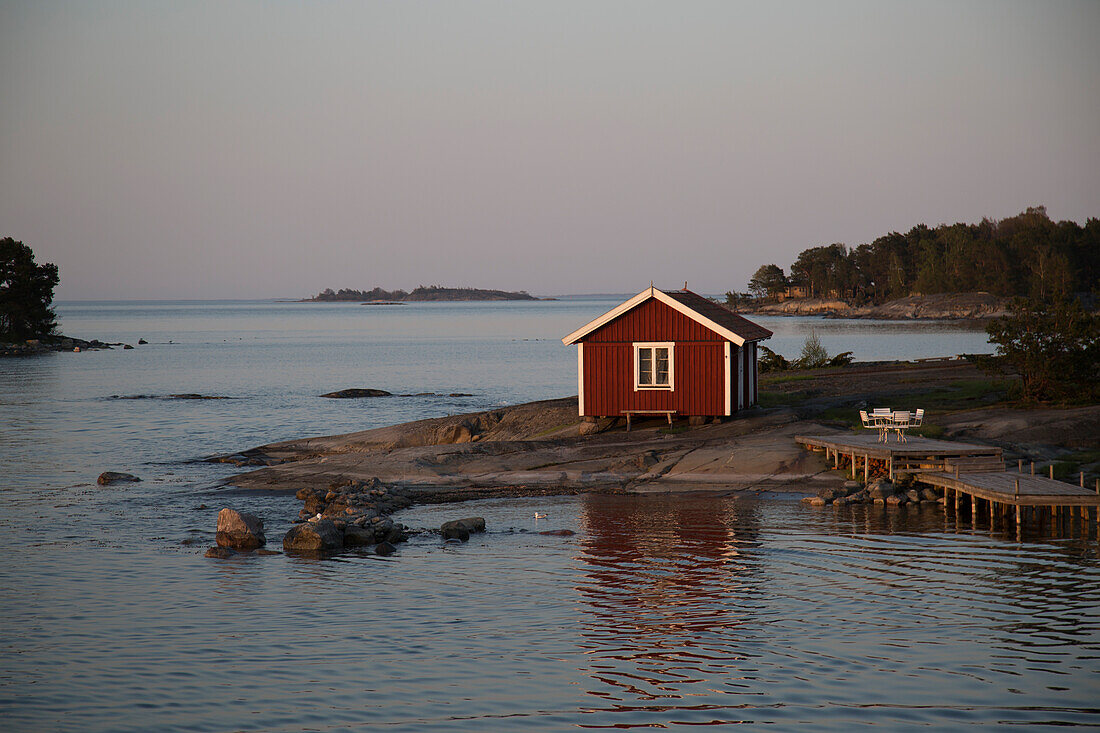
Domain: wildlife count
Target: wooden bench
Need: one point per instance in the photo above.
(631, 413)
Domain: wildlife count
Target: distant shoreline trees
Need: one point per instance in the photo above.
(421, 293)
(26, 293)
(1026, 255)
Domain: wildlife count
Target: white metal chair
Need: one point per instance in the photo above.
(918, 418)
(880, 417)
(900, 423)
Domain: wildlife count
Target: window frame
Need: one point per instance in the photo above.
(652, 346)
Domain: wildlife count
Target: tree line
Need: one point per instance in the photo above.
(421, 293)
(1027, 255)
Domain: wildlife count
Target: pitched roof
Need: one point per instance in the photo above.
(721, 315)
(719, 319)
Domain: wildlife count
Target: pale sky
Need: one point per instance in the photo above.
(267, 149)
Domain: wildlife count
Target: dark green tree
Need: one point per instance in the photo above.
(1053, 346)
(26, 293)
(768, 280)
(1024, 255)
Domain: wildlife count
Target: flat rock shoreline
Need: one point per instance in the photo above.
(941, 306)
(538, 448)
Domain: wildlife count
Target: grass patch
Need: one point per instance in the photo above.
(780, 399)
(965, 394)
(1067, 470)
(786, 378)
(929, 430)
(847, 415)
(1086, 456)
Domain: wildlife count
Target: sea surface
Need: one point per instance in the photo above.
(660, 612)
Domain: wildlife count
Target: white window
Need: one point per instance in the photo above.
(653, 366)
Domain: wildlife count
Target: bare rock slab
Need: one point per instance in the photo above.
(357, 393)
(240, 530)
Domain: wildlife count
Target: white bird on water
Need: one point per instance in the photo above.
(539, 516)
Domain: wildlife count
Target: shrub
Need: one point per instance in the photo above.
(813, 353)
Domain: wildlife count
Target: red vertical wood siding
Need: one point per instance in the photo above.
(699, 372)
(698, 364)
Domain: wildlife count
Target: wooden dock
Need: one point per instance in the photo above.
(977, 471)
(1001, 492)
(915, 454)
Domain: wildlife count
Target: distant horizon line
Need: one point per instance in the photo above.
(285, 299)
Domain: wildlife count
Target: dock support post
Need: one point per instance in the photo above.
(890, 466)
(1082, 479)
(974, 510)
(853, 465)
(867, 468)
(1033, 468)
(992, 511)
(1052, 472)
(1020, 465)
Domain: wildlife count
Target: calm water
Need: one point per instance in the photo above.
(659, 612)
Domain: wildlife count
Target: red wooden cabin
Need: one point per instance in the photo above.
(672, 352)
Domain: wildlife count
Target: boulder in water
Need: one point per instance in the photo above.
(107, 478)
(319, 536)
(880, 489)
(461, 529)
(240, 530)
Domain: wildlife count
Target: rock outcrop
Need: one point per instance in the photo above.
(939, 306)
(355, 393)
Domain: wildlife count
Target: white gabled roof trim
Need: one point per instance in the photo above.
(651, 292)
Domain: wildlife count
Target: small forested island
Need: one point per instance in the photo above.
(421, 293)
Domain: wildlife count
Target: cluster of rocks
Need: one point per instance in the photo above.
(349, 514)
(31, 347)
(879, 491)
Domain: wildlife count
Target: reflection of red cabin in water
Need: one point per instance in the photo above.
(667, 352)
